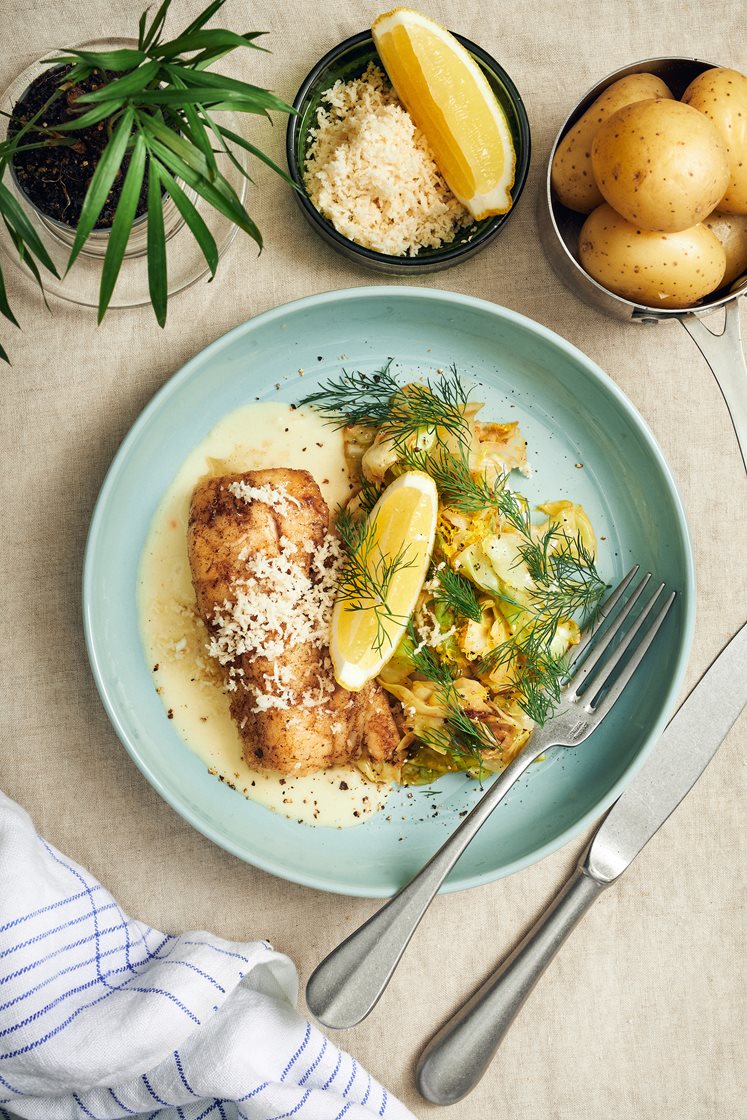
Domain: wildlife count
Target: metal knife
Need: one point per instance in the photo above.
(457, 1056)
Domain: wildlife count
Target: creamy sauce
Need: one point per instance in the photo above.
(187, 680)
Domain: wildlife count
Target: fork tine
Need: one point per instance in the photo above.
(603, 613)
(605, 669)
(580, 675)
(610, 697)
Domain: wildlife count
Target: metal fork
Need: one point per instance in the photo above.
(348, 983)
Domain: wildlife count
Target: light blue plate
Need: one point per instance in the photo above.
(586, 442)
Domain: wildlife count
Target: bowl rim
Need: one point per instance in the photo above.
(637, 310)
(190, 369)
(439, 256)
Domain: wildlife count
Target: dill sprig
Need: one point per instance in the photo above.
(368, 496)
(566, 583)
(403, 412)
(425, 662)
(535, 671)
(458, 593)
(356, 397)
(460, 735)
(367, 573)
(457, 486)
(565, 574)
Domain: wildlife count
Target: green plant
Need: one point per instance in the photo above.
(158, 103)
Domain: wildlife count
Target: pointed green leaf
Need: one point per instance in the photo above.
(204, 16)
(158, 21)
(205, 58)
(15, 215)
(25, 257)
(141, 25)
(194, 130)
(253, 150)
(79, 72)
(244, 102)
(118, 61)
(193, 218)
(101, 183)
(205, 79)
(124, 216)
(179, 145)
(198, 135)
(225, 148)
(219, 194)
(201, 40)
(4, 305)
(4, 354)
(93, 116)
(120, 88)
(157, 276)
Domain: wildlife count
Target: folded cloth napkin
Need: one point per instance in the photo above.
(102, 1016)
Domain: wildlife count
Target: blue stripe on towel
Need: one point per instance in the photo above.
(298, 1053)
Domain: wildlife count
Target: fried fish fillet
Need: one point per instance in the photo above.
(270, 514)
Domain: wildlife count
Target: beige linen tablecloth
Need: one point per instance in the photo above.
(643, 1013)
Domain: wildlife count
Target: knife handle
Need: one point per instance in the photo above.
(458, 1055)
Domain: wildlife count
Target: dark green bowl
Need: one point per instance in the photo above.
(348, 60)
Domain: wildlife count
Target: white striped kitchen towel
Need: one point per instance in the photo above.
(103, 1017)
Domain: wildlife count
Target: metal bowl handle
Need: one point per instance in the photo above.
(725, 356)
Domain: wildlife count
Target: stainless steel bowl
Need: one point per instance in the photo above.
(559, 230)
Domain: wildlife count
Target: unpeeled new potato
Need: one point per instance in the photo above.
(660, 164)
(721, 94)
(571, 175)
(648, 267)
(731, 230)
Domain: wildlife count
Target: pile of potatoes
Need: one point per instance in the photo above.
(664, 183)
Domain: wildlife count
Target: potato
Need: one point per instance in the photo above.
(650, 268)
(571, 175)
(722, 95)
(731, 230)
(660, 164)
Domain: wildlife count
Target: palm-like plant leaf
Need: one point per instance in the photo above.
(219, 194)
(192, 217)
(157, 276)
(117, 61)
(15, 215)
(157, 102)
(124, 216)
(101, 182)
(5, 309)
(120, 88)
(151, 36)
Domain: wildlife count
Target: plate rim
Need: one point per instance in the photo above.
(183, 374)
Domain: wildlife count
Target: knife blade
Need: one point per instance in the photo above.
(457, 1056)
(686, 746)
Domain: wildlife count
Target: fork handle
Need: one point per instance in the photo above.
(348, 983)
(458, 1055)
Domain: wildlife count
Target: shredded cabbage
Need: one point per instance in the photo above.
(464, 691)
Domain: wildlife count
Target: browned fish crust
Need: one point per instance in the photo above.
(223, 528)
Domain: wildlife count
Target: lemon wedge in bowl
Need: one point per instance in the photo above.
(450, 100)
(382, 579)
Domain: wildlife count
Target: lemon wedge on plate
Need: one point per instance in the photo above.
(449, 98)
(381, 583)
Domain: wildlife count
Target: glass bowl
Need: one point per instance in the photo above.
(348, 60)
(186, 263)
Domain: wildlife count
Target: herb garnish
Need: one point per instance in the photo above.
(403, 412)
(458, 594)
(429, 426)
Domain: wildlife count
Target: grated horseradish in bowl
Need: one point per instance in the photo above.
(355, 155)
